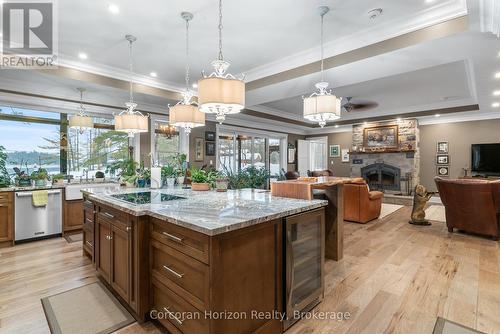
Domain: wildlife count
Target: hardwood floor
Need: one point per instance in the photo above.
(395, 278)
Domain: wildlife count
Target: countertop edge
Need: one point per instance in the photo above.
(193, 227)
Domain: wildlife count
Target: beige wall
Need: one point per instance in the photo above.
(200, 132)
(344, 139)
(460, 137)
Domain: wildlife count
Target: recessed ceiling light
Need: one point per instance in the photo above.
(497, 75)
(82, 56)
(114, 9)
(430, 1)
(495, 104)
(195, 85)
(153, 74)
(437, 115)
(336, 125)
(399, 119)
(496, 93)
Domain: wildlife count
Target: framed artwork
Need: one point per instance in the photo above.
(334, 151)
(385, 136)
(198, 149)
(209, 136)
(442, 159)
(345, 155)
(443, 147)
(209, 149)
(443, 171)
(291, 155)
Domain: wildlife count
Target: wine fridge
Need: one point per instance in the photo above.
(304, 241)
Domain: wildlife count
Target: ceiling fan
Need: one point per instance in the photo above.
(361, 106)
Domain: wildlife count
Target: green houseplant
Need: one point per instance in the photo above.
(4, 175)
(202, 180)
(181, 166)
(40, 176)
(250, 177)
(58, 179)
(128, 173)
(168, 174)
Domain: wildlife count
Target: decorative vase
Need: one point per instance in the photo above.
(24, 183)
(221, 184)
(41, 183)
(200, 186)
(180, 180)
(170, 181)
(141, 183)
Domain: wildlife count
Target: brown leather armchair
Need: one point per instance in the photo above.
(360, 204)
(471, 205)
(292, 175)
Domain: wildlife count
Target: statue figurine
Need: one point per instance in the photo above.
(420, 199)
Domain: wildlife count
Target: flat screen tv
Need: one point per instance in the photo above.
(486, 159)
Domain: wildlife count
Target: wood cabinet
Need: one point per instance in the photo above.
(6, 219)
(88, 229)
(121, 256)
(73, 218)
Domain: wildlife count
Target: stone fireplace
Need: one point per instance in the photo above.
(392, 171)
(381, 176)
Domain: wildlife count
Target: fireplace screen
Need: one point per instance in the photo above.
(381, 176)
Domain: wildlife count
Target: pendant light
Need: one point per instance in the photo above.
(221, 93)
(185, 114)
(321, 106)
(130, 120)
(81, 121)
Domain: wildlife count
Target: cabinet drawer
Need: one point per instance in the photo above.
(88, 205)
(171, 308)
(116, 217)
(88, 238)
(88, 216)
(186, 276)
(6, 197)
(184, 240)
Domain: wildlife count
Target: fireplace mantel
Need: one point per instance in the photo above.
(381, 152)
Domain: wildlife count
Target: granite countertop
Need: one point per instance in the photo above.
(208, 212)
(48, 187)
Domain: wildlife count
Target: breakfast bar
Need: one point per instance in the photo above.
(194, 260)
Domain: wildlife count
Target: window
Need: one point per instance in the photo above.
(166, 142)
(31, 139)
(319, 153)
(239, 149)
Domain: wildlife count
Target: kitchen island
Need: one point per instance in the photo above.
(199, 262)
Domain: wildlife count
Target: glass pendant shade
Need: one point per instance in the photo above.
(81, 122)
(186, 116)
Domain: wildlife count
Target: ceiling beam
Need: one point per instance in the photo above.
(436, 31)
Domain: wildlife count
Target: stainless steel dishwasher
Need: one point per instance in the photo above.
(37, 222)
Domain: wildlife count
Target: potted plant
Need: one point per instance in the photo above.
(4, 175)
(23, 178)
(168, 174)
(181, 162)
(199, 180)
(58, 179)
(41, 177)
(143, 176)
(128, 174)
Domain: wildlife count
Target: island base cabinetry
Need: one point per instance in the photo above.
(6, 219)
(121, 250)
(226, 286)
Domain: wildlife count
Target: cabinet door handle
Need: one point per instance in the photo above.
(172, 315)
(172, 237)
(109, 215)
(89, 243)
(109, 237)
(173, 272)
(128, 228)
(89, 220)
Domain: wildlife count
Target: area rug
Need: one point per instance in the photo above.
(436, 213)
(87, 309)
(73, 237)
(387, 209)
(444, 326)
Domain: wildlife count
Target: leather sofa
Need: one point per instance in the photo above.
(318, 173)
(360, 204)
(471, 205)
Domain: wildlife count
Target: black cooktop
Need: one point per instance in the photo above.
(146, 197)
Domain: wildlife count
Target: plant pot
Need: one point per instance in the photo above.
(24, 183)
(141, 183)
(59, 182)
(200, 186)
(170, 182)
(180, 180)
(40, 183)
(221, 185)
(129, 184)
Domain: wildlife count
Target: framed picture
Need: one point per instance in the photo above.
(442, 159)
(385, 136)
(334, 151)
(209, 149)
(209, 136)
(291, 155)
(198, 149)
(345, 155)
(443, 147)
(443, 171)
